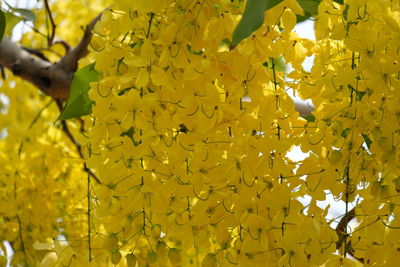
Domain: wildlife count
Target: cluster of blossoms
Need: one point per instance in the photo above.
(42, 185)
(189, 137)
(355, 138)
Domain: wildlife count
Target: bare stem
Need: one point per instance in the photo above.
(52, 32)
(88, 218)
(77, 145)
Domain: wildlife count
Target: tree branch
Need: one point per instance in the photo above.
(342, 232)
(70, 60)
(48, 77)
(50, 37)
(53, 79)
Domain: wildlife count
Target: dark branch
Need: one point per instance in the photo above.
(52, 32)
(53, 79)
(70, 60)
(341, 231)
(77, 145)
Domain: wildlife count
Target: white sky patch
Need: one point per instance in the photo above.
(296, 154)
(308, 63)
(23, 26)
(304, 30)
(4, 103)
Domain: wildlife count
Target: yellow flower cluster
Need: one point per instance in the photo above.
(42, 186)
(354, 85)
(189, 137)
(39, 170)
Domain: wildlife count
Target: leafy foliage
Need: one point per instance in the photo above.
(79, 103)
(310, 6)
(253, 15)
(253, 18)
(11, 21)
(26, 14)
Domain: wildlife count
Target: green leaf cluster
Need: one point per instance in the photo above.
(253, 16)
(78, 103)
(10, 18)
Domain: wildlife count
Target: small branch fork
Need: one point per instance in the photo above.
(52, 31)
(341, 231)
(53, 79)
(50, 37)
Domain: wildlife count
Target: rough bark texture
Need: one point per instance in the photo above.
(48, 77)
(53, 79)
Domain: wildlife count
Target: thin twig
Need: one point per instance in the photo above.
(150, 22)
(21, 239)
(39, 114)
(88, 218)
(64, 43)
(341, 228)
(77, 145)
(50, 36)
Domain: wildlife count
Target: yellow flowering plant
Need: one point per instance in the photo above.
(172, 148)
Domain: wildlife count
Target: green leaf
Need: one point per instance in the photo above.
(26, 13)
(78, 103)
(2, 24)
(300, 19)
(253, 18)
(310, 6)
(191, 51)
(309, 117)
(11, 21)
(278, 63)
(345, 132)
(123, 91)
(360, 95)
(367, 140)
(130, 132)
